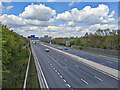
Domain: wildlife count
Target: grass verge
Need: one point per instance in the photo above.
(32, 78)
(90, 52)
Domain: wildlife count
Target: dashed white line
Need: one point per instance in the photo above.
(98, 78)
(58, 73)
(84, 81)
(66, 67)
(68, 85)
(64, 80)
(55, 70)
(61, 77)
(76, 65)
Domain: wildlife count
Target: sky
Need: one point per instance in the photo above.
(59, 19)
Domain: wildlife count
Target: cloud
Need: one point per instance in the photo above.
(30, 17)
(54, 31)
(70, 4)
(66, 16)
(9, 7)
(88, 15)
(37, 12)
(16, 21)
(105, 26)
(1, 7)
(72, 24)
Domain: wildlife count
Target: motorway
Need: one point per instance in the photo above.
(107, 61)
(61, 71)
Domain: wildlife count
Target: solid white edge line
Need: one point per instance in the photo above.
(41, 70)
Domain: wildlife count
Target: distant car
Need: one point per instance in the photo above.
(60, 48)
(66, 48)
(34, 42)
(47, 50)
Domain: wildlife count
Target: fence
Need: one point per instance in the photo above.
(109, 52)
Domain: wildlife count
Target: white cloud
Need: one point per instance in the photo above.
(64, 16)
(1, 4)
(88, 15)
(54, 31)
(9, 7)
(1, 7)
(72, 24)
(38, 12)
(70, 4)
(30, 17)
(16, 21)
(105, 26)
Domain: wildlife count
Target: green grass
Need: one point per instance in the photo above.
(90, 52)
(15, 79)
(32, 79)
(103, 55)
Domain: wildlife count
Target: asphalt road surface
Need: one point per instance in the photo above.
(61, 71)
(107, 61)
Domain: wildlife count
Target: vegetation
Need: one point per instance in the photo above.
(104, 39)
(32, 79)
(14, 58)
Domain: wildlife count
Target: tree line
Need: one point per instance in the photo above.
(104, 39)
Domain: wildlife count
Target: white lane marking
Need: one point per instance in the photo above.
(76, 65)
(55, 70)
(64, 80)
(48, 55)
(66, 67)
(84, 81)
(50, 64)
(98, 78)
(58, 73)
(68, 85)
(61, 77)
(102, 63)
(53, 59)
